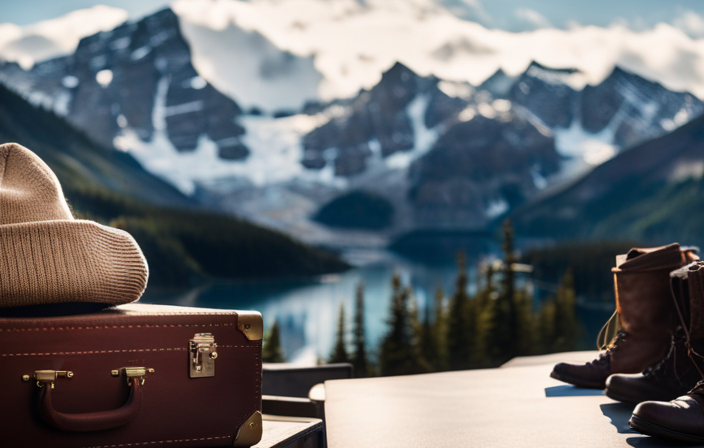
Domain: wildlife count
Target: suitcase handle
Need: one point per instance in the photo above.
(92, 421)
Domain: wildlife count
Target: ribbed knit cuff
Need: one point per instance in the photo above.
(69, 261)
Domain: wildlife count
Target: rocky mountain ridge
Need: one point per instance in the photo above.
(473, 153)
(444, 154)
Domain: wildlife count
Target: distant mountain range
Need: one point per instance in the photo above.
(183, 244)
(443, 154)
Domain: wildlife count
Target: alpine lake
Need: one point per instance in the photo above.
(307, 309)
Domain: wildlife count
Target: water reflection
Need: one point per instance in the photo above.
(307, 310)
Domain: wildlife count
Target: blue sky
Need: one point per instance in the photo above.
(506, 14)
(513, 15)
(24, 12)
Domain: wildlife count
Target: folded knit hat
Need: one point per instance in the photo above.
(48, 256)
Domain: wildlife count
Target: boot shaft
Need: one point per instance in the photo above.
(687, 286)
(642, 289)
(647, 315)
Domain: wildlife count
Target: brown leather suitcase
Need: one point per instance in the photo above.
(131, 376)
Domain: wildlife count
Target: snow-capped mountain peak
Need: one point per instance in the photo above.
(440, 116)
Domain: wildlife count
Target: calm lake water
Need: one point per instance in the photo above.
(307, 310)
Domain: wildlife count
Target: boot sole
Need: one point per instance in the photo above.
(624, 399)
(652, 429)
(576, 381)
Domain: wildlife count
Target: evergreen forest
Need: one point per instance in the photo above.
(460, 331)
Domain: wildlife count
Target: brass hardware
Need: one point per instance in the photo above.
(250, 433)
(251, 324)
(25, 378)
(202, 355)
(49, 376)
(133, 372)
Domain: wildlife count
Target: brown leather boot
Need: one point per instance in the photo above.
(675, 374)
(672, 377)
(647, 316)
(682, 418)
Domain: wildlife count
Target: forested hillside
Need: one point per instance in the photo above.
(649, 193)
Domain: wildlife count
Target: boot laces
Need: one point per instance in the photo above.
(698, 388)
(660, 369)
(691, 353)
(611, 348)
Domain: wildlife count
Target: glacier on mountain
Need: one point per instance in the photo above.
(423, 137)
(275, 156)
(583, 149)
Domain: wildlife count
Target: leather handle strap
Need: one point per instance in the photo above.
(92, 421)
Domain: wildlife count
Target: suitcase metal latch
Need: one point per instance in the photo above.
(202, 353)
(48, 376)
(137, 373)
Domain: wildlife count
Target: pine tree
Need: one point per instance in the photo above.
(439, 330)
(509, 288)
(359, 356)
(484, 309)
(565, 324)
(417, 336)
(397, 354)
(487, 293)
(459, 329)
(272, 350)
(525, 342)
(545, 331)
(428, 343)
(504, 322)
(557, 325)
(339, 351)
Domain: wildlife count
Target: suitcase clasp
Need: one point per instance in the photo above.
(202, 353)
(137, 373)
(48, 376)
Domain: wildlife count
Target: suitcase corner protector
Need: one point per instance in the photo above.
(251, 324)
(250, 433)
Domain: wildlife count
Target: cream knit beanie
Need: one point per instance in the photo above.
(47, 256)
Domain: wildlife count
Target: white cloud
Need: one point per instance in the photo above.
(691, 23)
(55, 37)
(532, 18)
(636, 23)
(467, 9)
(338, 33)
(572, 24)
(347, 46)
